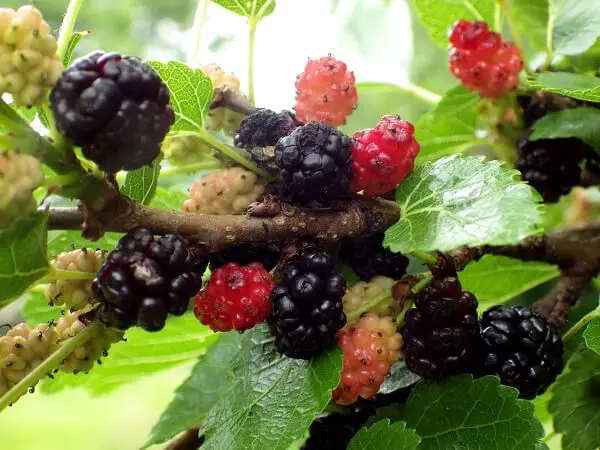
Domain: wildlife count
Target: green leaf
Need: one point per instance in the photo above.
(460, 412)
(210, 378)
(273, 400)
(531, 17)
(582, 87)
(36, 310)
(23, 255)
(588, 61)
(444, 135)
(592, 335)
(450, 128)
(399, 378)
(140, 184)
(256, 9)
(576, 25)
(385, 435)
(463, 201)
(190, 91)
(181, 341)
(73, 41)
(456, 100)
(498, 279)
(67, 240)
(581, 123)
(575, 403)
(172, 199)
(439, 15)
(377, 99)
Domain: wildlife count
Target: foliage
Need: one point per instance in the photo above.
(498, 279)
(458, 201)
(385, 435)
(23, 255)
(575, 402)
(477, 413)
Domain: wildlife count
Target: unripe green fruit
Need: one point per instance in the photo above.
(20, 175)
(362, 293)
(227, 191)
(74, 294)
(223, 119)
(182, 150)
(83, 358)
(29, 65)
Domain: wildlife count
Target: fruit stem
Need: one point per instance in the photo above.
(498, 16)
(67, 26)
(231, 153)
(581, 324)
(354, 315)
(549, 37)
(11, 119)
(427, 258)
(251, 45)
(422, 283)
(420, 92)
(473, 10)
(550, 435)
(199, 21)
(192, 167)
(49, 364)
(39, 288)
(399, 319)
(61, 180)
(514, 31)
(59, 274)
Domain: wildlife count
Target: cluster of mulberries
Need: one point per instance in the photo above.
(116, 108)
(145, 278)
(482, 61)
(442, 337)
(223, 119)
(383, 156)
(23, 348)
(83, 358)
(325, 92)
(20, 175)
(180, 150)
(259, 133)
(370, 347)
(440, 334)
(227, 191)
(315, 165)
(29, 65)
(552, 166)
(73, 293)
(361, 293)
(236, 297)
(521, 347)
(307, 304)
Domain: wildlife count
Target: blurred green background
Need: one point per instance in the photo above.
(380, 41)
